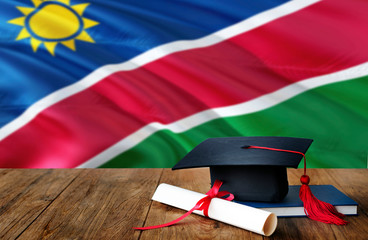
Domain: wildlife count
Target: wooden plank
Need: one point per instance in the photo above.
(107, 203)
(25, 193)
(99, 204)
(194, 226)
(352, 182)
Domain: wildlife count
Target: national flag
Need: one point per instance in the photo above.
(140, 83)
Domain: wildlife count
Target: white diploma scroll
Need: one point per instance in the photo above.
(242, 216)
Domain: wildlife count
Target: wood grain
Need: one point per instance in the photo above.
(100, 204)
(25, 194)
(108, 203)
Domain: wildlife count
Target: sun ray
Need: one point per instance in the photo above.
(18, 21)
(79, 8)
(25, 10)
(23, 34)
(50, 46)
(70, 44)
(35, 43)
(84, 36)
(36, 3)
(87, 23)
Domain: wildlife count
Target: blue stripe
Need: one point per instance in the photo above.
(126, 29)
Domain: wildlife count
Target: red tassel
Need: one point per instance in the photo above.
(316, 209)
(313, 208)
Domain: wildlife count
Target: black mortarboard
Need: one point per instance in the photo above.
(249, 174)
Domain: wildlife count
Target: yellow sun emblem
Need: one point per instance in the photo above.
(54, 21)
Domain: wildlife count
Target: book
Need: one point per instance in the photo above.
(292, 206)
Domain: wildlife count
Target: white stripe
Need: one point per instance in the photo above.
(255, 105)
(149, 56)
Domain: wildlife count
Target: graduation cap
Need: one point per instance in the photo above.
(254, 169)
(248, 173)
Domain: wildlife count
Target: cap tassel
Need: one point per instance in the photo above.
(315, 209)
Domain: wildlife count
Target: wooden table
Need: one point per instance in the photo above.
(107, 203)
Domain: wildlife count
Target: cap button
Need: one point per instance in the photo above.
(305, 179)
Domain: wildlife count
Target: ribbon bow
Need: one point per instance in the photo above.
(202, 205)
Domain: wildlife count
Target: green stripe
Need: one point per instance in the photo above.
(335, 116)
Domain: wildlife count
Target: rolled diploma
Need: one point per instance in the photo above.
(242, 216)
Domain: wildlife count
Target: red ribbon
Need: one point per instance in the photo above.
(202, 205)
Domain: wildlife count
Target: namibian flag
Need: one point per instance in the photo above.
(140, 83)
